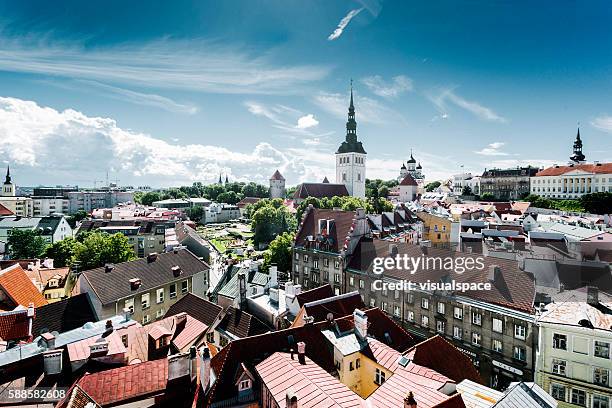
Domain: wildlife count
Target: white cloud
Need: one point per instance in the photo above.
(307, 121)
(492, 149)
(343, 23)
(510, 163)
(442, 99)
(603, 123)
(392, 89)
(50, 146)
(367, 109)
(169, 64)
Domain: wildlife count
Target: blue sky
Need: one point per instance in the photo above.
(166, 93)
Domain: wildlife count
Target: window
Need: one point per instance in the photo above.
(602, 349)
(325, 262)
(579, 397)
(498, 325)
(160, 295)
(458, 313)
(160, 313)
(145, 300)
(476, 338)
(223, 341)
(440, 326)
(358, 363)
(315, 264)
(244, 385)
(297, 256)
(383, 306)
(325, 275)
(305, 258)
(351, 366)
(411, 316)
(476, 318)
(559, 367)
(601, 376)
(380, 377)
(497, 345)
(457, 332)
(361, 284)
(520, 353)
(520, 331)
(410, 298)
(558, 392)
(146, 319)
(396, 311)
(424, 303)
(129, 304)
(441, 307)
(601, 401)
(337, 264)
(210, 337)
(425, 321)
(351, 281)
(372, 302)
(337, 277)
(396, 294)
(560, 341)
(173, 291)
(184, 286)
(296, 268)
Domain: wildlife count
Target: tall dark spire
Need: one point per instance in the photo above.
(7, 180)
(220, 179)
(351, 106)
(351, 144)
(578, 155)
(226, 179)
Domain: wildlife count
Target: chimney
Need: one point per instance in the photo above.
(409, 401)
(273, 275)
(52, 362)
(179, 366)
(127, 313)
(274, 295)
(108, 268)
(291, 399)
(31, 315)
(241, 290)
(135, 283)
(301, 352)
(108, 328)
(360, 320)
(176, 271)
(193, 362)
(152, 257)
(495, 274)
(393, 249)
(99, 348)
(48, 340)
(204, 355)
(308, 320)
(180, 318)
(592, 295)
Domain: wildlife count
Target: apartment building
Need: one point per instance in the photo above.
(507, 184)
(574, 357)
(147, 287)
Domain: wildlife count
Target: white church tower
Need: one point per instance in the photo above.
(8, 188)
(351, 158)
(277, 185)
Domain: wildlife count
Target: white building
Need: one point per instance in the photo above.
(8, 187)
(46, 205)
(572, 181)
(277, 185)
(407, 189)
(20, 206)
(415, 170)
(220, 212)
(573, 359)
(460, 181)
(91, 200)
(351, 158)
(52, 229)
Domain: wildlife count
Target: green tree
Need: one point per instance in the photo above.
(597, 203)
(467, 190)
(150, 197)
(98, 248)
(62, 252)
(487, 197)
(290, 192)
(429, 187)
(267, 222)
(229, 197)
(279, 252)
(195, 213)
(255, 190)
(25, 244)
(76, 217)
(383, 191)
(212, 191)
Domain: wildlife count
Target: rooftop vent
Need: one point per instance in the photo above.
(403, 361)
(108, 267)
(152, 257)
(135, 283)
(176, 271)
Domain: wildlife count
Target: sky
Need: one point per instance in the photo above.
(168, 93)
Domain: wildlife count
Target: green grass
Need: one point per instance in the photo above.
(219, 244)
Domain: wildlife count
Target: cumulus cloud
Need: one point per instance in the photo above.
(446, 96)
(492, 149)
(307, 121)
(70, 147)
(603, 123)
(388, 89)
(343, 23)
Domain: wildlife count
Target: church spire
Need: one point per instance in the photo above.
(351, 106)
(351, 144)
(8, 175)
(220, 179)
(578, 156)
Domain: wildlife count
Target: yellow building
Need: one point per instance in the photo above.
(436, 229)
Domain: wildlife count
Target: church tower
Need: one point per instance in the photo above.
(351, 157)
(578, 156)
(8, 188)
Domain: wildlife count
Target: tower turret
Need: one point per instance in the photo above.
(578, 156)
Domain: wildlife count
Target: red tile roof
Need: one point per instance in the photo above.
(19, 288)
(246, 201)
(320, 190)
(5, 211)
(241, 324)
(336, 237)
(408, 181)
(318, 293)
(338, 306)
(14, 325)
(126, 383)
(277, 176)
(200, 308)
(601, 168)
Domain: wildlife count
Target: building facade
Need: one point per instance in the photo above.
(414, 170)
(351, 158)
(91, 200)
(507, 184)
(277, 185)
(463, 180)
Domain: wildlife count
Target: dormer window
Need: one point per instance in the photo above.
(244, 385)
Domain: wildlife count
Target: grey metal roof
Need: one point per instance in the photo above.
(48, 225)
(114, 285)
(230, 290)
(523, 395)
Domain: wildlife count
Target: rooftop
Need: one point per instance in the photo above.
(19, 289)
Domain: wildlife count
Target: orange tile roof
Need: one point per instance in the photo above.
(19, 288)
(5, 211)
(600, 168)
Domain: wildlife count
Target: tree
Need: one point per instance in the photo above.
(98, 248)
(76, 217)
(429, 187)
(487, 197)
(383, 191)
(150, 197)
(279, 252)
(229, 197)
(62, 252)
(255, 190)
(267, 222)
(174, 193)
(467, 190)
(195, 213)
(25, 244)
(212, 191)
(597, 203)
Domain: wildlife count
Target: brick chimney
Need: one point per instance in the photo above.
(301, 346)
(495, 274)
(108, 268)
(360, 320)
(592, 295)
(409, 401)
(241, 290)
(291, 399)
